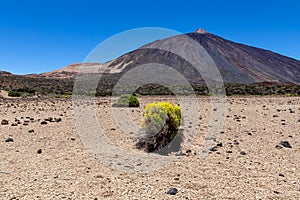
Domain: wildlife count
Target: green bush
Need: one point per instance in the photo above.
(161, 124)
(26, 90)
(13, 93)
(127, 100)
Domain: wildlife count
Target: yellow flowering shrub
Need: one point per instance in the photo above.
(157, 115)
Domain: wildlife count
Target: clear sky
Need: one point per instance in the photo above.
(44, 35)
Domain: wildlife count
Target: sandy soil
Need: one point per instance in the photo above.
(64, 169)
(4, 93)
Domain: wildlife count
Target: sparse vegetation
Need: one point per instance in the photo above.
(14, 93)
(64, 87)
(127, 100)
(161, 123)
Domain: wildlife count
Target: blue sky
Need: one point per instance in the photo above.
(43, 35)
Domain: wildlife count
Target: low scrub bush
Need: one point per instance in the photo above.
(127, 100)
(13, 93)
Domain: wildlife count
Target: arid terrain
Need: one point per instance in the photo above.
(42, 156)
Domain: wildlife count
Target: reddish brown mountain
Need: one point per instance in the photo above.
(236, 62)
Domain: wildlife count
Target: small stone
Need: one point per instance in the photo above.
(243, 153)
(299, 120)
(58, 119)
(213, 149)
(112, 129)
(275, 116)
(178, 153)
(49, 119)
(219, 144)
(31, 131)
(43, 123)
(278, 146)
(276, 192)
(188, 151)
(72, 139)
(280, 174)
(9, 139)
(172, 191)
(14, 124)
(176, 178)
(39, 151)
(286, 144)
(4, 122)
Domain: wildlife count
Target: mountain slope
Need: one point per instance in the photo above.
(72, 70)
(236, 62)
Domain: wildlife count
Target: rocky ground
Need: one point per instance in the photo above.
(256, 156)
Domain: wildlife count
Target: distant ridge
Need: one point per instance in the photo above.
(4, 73)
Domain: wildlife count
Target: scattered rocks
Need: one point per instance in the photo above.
(9, 139)
(44, 123)
(280, 174)
(39, 151)
(213, 149)
(220, 144)
(57, 119)
(49, 119)
(172, 191)
(285, 144)
(178, 153)
(4, 122)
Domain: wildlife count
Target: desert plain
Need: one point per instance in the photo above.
(257, 154)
